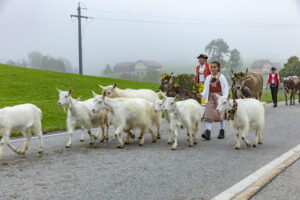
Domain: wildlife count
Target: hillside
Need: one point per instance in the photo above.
(22, 85)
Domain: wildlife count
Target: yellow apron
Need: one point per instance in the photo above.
(201, 88)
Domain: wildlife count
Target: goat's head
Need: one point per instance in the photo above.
(159, 105)
(240, 79)
(108, 90)
(170, 104)
(98, 102)
(64, 97)
(223, 104)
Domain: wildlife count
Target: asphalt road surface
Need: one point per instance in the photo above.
(152, 171)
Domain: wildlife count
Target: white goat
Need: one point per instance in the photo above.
(127, 114)
(249, 115)
(113, 92)
(186, 113)
(80, 113)
(20, 118)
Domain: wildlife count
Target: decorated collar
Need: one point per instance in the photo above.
(231, 112)
(214, 80)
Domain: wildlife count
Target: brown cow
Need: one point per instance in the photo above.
(247, 84)
(292, 87)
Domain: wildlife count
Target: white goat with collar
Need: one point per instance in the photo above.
(113, 92)
(80, 113)
(250, 115)
(186, 113)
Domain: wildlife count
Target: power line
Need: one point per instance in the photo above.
(212, 23)
(184, 21)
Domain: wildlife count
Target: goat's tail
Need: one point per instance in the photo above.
(264, 104)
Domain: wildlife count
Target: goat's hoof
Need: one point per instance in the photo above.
(102, 140)
(173, 148)
(68, 146)
(140, 137)
(248, 145)
(158, 137)
(120, 146)
(237, 148)
(40, 151)
(21, 152)
(154, 141)
(106, 138)
(126, 143)
(254, 145)
(141, 144)
(195, 142)
(190, 145)
(260, 143)
(170, 142)
(81, 140)
(91, 143)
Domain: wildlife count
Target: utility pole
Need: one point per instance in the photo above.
(79, 16)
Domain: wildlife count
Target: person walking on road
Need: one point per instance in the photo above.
(215, 83)
(274, 83)
(202, 71)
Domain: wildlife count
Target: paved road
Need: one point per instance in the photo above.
(285, 186)
(150, 172)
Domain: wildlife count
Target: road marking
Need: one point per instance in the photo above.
(250, 185)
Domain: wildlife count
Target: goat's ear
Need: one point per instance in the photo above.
(218, 96)
(58, 90)
(78, 99)
(101, 86)
(103, 95)
(115, 85)
(70, 91)
(176, 97)
(248, 78)
(94, 94)
(228, 97)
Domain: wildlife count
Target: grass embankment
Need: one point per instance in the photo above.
(22, 85)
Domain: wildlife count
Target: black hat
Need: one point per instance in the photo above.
(273, 68)
(202, 56)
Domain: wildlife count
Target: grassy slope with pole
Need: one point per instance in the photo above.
(22, 85)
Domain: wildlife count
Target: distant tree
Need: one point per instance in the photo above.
(35, 59)
(291, 68)
(218, 50)
(108, 70)
(152, 77)
(11, 62)
(235, 62)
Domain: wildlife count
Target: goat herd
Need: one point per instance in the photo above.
(128, 110)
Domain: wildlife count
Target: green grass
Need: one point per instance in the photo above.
(22, 85)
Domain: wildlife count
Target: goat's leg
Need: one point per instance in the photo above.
(170, 136)
(256, 138)
(294, 97)
(91, 137)
(190, 137)
(106, 131)
(103, 133)
(127, 139)
(286, 98)
(244, 134)
(2, 143)
(238, 144)
(142, 134)
(27, 135)
(71, 126)
(152, 134)
(195, 135)
(158, 136)
(82, 135)
(119, 137)
(260, 141)
(291, 99)
(5, 140)
(38, 131)
(175, 132)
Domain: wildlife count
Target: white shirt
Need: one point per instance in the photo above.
(224, 87)
(273, 78)
(201, 73)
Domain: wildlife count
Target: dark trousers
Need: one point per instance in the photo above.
(274, 90)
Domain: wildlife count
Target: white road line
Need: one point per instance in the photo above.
(246, 182)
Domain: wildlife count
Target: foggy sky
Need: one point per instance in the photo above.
(258, 29)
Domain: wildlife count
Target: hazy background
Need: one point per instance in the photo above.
(172, 32)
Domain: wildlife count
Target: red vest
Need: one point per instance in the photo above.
(205, 73)
(276, 80)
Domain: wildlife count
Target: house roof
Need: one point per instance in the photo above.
(260, 63)
(124, 67)
(150, 63)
